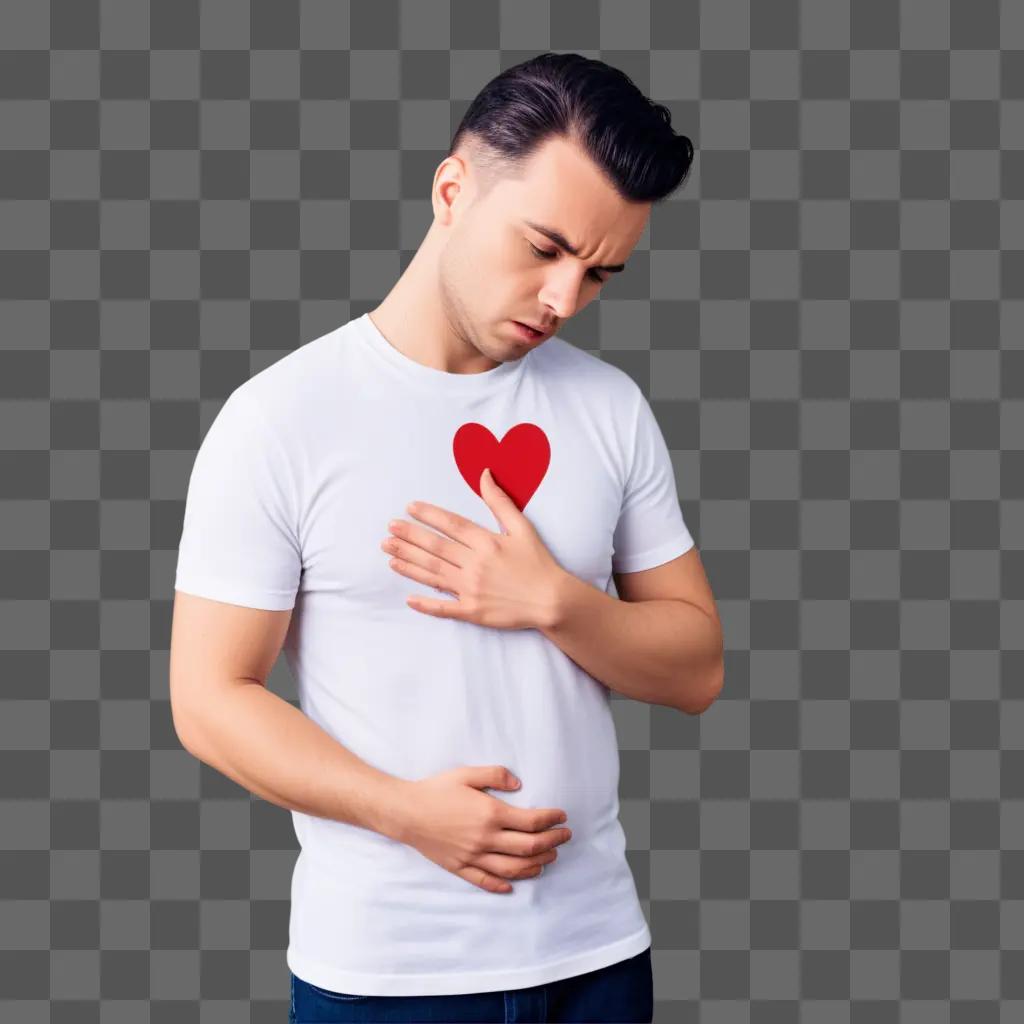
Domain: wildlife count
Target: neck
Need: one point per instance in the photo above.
(414, 320)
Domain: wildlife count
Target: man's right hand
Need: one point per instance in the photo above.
(448, 819)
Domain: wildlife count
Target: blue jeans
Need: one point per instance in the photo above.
(622, 992)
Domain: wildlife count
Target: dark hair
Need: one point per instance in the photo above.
(587, 102)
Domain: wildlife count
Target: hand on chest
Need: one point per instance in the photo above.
(558, 478)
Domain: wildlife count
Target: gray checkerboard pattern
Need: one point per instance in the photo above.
(190, 190)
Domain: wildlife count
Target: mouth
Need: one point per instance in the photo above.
(530, 332)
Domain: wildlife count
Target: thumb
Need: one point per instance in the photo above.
(505, 510)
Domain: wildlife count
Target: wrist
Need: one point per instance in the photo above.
(556, 598)
(390, 803)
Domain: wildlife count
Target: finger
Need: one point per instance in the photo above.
(528, 819)
(505, 510)
(526, 844)
(514, 867)
(420, 575)
(409, 554)
(449, 523)
(409, 536)
(484, 880)
(445, 609)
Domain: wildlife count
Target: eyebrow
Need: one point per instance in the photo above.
(563, 243)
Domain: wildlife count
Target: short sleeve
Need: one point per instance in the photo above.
(239, 540)
(650, 528)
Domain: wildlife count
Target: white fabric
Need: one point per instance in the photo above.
(288, 502)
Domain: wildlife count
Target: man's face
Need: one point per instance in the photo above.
(498, 266)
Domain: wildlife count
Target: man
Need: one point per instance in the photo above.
(424, 508)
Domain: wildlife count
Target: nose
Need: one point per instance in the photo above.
(560, 296)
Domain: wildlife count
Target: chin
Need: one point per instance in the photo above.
(517, 350)
(504, 346)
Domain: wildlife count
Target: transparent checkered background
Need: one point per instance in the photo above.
(828, 321)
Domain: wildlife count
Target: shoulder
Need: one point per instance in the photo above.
(588, 374)
(289, 390)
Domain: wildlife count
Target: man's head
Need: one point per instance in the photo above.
(558, 153)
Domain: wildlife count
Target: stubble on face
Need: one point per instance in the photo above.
(458, 273)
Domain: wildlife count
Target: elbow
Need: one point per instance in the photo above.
(699, 698)
(699, 694)
(185, 727)
(183, 732)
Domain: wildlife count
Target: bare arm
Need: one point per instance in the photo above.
(661, 641)
(220, 657)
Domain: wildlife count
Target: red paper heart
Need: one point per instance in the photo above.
(518, 462)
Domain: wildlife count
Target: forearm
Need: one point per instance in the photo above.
(271, 748)
(659, 651)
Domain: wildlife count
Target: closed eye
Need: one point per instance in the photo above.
(546, 254)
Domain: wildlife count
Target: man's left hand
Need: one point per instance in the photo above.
(506, 580)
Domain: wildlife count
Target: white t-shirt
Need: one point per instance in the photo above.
(288, 501)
